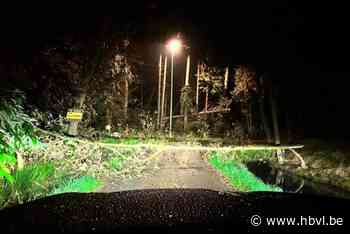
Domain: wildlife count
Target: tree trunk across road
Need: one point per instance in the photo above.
(174, 168)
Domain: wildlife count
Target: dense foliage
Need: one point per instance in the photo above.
(245, 83)
(85, 75)
(211, 79)
(16, 133)
(30, 183)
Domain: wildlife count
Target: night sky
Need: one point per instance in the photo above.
(304, 46)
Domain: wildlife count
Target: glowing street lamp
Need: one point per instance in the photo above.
(174, 46)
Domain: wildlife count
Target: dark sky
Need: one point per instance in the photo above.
(304, 44)
(266, 32)
(286, 33)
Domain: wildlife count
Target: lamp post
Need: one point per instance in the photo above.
(159, 91)
(174, 46)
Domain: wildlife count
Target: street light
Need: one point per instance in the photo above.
(174, 46)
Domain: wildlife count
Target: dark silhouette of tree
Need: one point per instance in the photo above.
(245, 88)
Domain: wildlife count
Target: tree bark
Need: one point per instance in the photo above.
(274, 115)
(206, 100)
(108, 115)
(159, 90)
(126, 99)
(226, 79)
(206, 103)
(197, 87)
(79, 102)
(250, 119)
(289, 128)
(141, 93)
(260, 90)
(185, 118)
(186, 85)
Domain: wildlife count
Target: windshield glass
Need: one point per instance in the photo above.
(166, 99)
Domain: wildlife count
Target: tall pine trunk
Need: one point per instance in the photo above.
(78, 105)
(289, 128)
(206, 100)
(274, 115)
(261, 100)
(126, 99)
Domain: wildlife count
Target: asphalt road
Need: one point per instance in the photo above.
(173, 211)
(174, 168)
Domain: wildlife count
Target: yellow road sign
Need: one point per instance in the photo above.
(74, 115)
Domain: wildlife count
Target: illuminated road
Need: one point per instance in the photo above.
(174, 169)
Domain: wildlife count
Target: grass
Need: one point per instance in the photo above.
(116, 163)
(32, 182)
(245, 155)
(164, 140)
(39, 180)
(83, 184)
(125, 141)
(239, 175)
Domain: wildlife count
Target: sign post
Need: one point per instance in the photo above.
(74, 116)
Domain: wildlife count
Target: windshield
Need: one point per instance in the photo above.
(241, 102)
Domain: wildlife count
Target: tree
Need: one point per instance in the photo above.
(273, 112)
(186, 100)
(245, 87)
(81, 70)
(261, 98)
(211, 81)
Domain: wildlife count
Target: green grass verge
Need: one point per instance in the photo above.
(39, 180)
(84, 184)
(125, 141)
(32, 182)
(245, 155)
(239, 175)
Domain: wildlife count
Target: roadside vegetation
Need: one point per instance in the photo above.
(327, 162)
(238, 174)
(82, 184)
(36, 163)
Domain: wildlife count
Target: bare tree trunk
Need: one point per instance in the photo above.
(206, 100)
(141, 91)
(78, 105)
(126, 99)
(274, 115)
(206, 103)
(260, 89)
(197, 88)
(250, 119)
(159, 90)
(185, 117)
(226, 79)
(289, 128)
(81, 100)
(108, 115)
